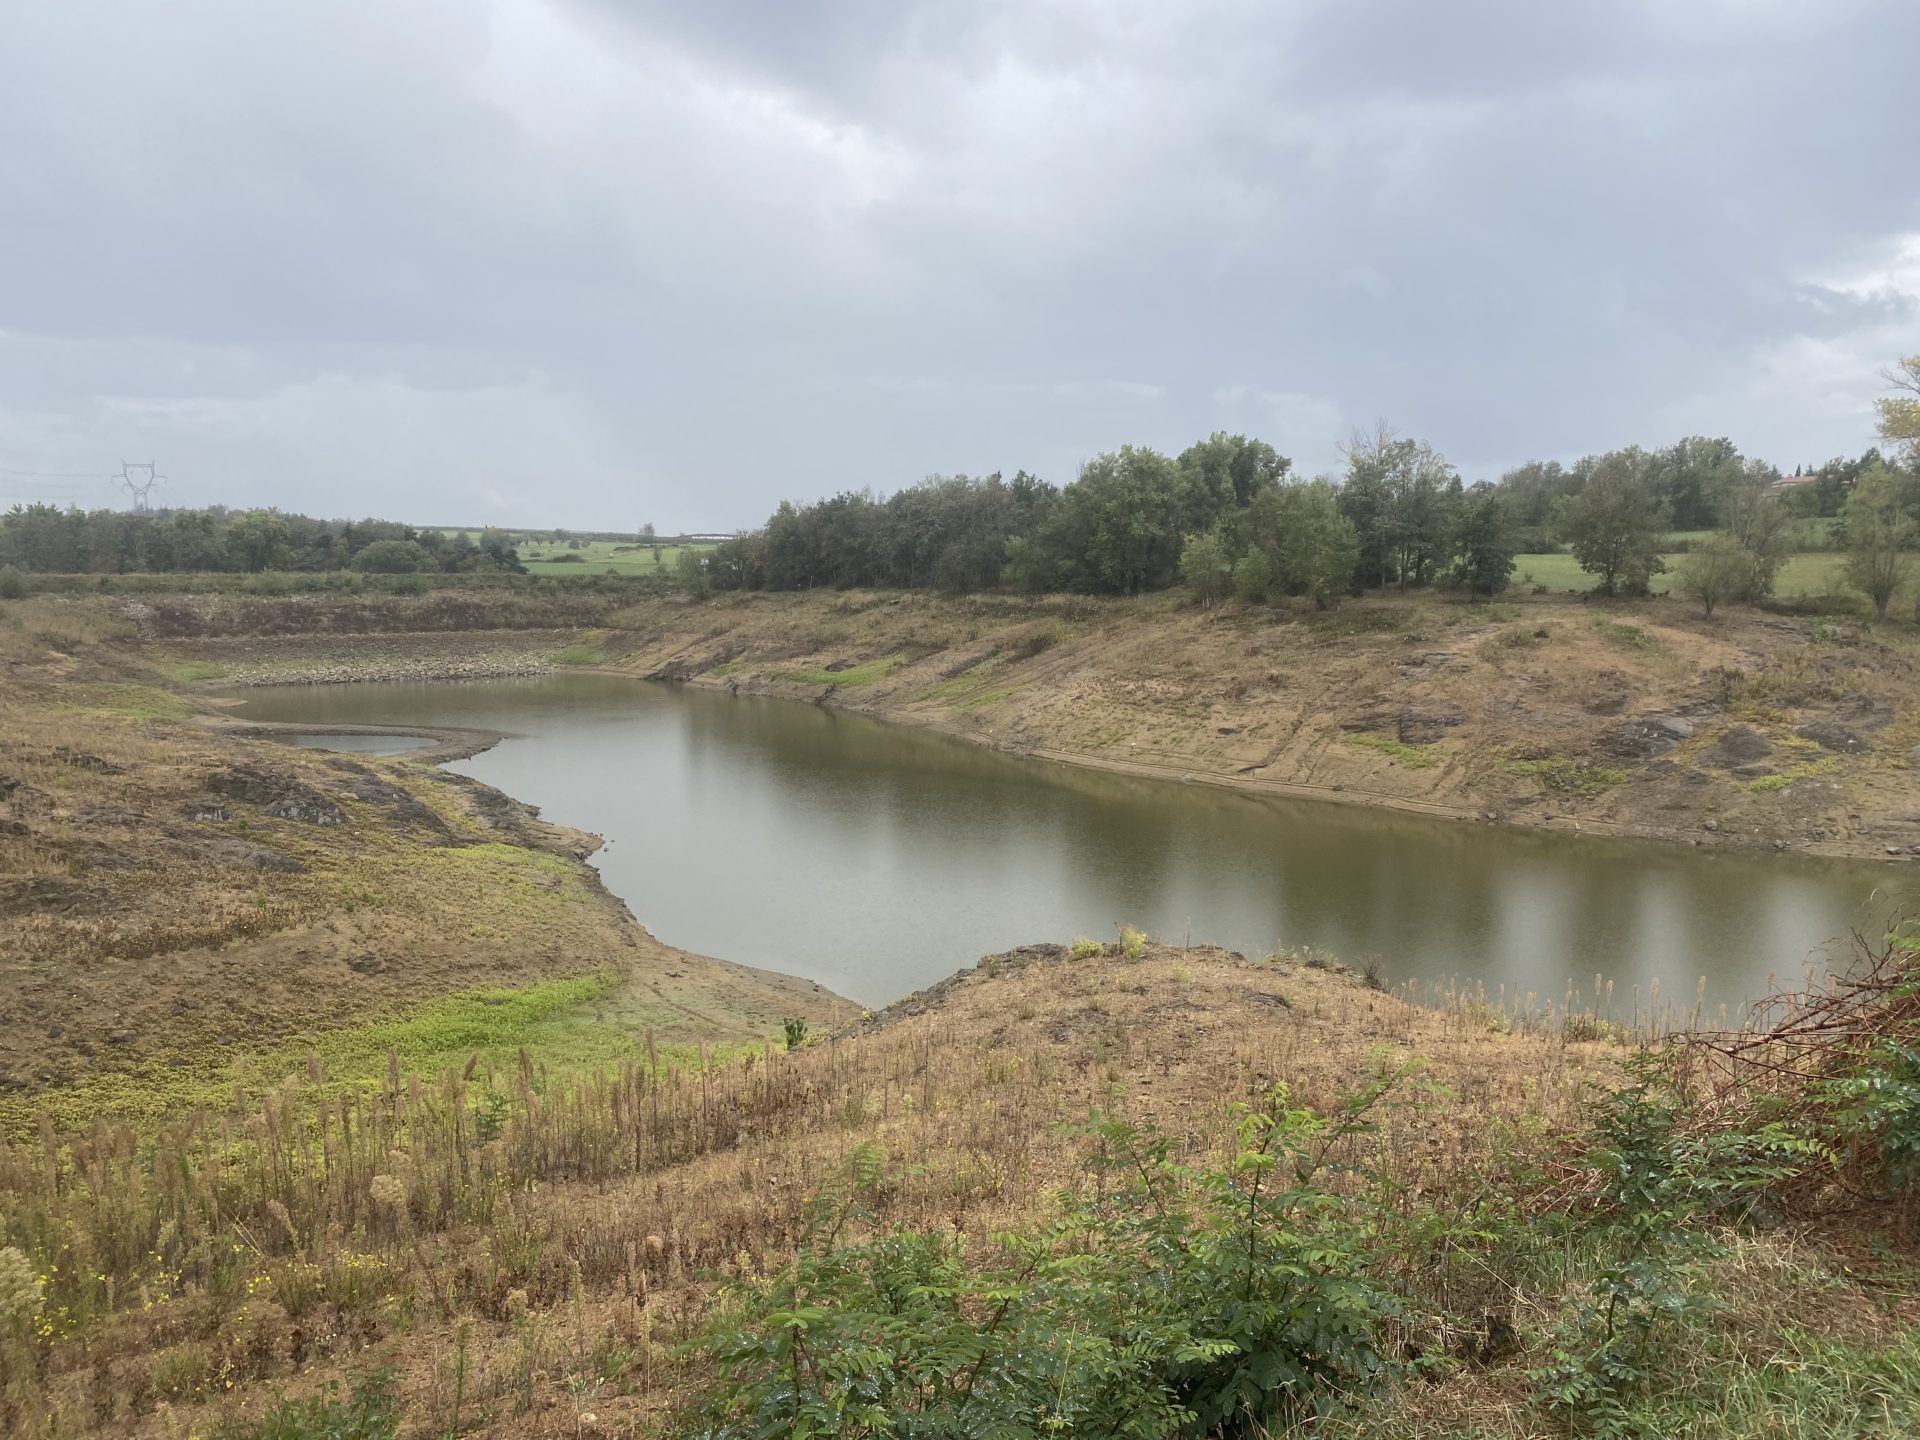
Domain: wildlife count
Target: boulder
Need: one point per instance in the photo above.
(1832, 735)
(1424, 724)
(1742, 745)
(1647, 737)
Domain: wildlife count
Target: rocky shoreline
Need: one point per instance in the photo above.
(344, 660)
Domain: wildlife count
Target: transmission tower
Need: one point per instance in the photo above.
(138, 479)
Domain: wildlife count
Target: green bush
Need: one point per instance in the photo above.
(1172, 1301)
(369, 1413)
(13, 585)
(1662, 1184)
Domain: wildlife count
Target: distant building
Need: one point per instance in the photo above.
(1794, 482)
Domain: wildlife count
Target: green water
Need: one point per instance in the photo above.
(877, 859)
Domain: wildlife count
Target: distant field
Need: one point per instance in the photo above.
(1809, 574)
(596, 557)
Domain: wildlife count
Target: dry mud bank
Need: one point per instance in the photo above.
(180, 897)
(1634, 719)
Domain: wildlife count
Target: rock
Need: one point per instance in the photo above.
(86, 762)
(1713, 825)
(1863, 712)
(1424, 724)
(276, 796)
(1647, 737)
(1754, 772)
(1832, 735)
(121, 1037)
(1742, 745)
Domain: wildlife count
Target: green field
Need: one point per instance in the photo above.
(597, 557)
(1814, 573)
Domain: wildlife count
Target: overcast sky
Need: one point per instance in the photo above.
(596, 262)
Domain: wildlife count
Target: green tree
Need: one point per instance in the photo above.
(1485, 543)
(1880, 537)
(257, 539)
(1755, 518)
(393, 557)
(1118, 527)
(1400, 494)
(1206, 567)
(1225, 472)
(690, 568)
(1900, 411)
(1616, 523)
(1319, 546)
(1718, 568)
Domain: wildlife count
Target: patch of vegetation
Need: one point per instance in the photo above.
(1523, 637)
(1084, 948)
(189, 671)
(1169, 1301)
(1364, 619)
(590, 649)
(127, 701)
(850, 678)
(1792, 775)
(1412, 756)
(1568, 776)
(370, 1412)
(986, 697)
(1629, 637)
(958, 685)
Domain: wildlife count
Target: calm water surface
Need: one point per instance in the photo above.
(877, 859)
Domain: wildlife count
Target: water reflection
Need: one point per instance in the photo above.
(878, 859)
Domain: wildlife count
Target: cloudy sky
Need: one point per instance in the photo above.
(594, 262)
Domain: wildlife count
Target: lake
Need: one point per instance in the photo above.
(877, 859)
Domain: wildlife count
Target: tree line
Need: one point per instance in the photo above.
(1228, 515)
(50, 540)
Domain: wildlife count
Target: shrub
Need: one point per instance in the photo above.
(13, 585)
(1133, 943)
(368, 1413)
(796, 1032)
(1083, 948)
(1173, 1301)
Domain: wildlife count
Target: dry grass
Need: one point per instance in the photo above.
(457, 1221)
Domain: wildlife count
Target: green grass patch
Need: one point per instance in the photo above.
(966, 680)
(188, 671)
(853, 675)
(1805, 770)
(1566, 775)
(129, 702)
(985, 697)
(597, 557)
(573, 1026)
(1628, 637)
(1411, 756)
(587, 650)
(1810, 573)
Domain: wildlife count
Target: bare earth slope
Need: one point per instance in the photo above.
(174, 898)
(1645, 719)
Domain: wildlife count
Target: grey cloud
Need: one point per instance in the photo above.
(618, 260)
